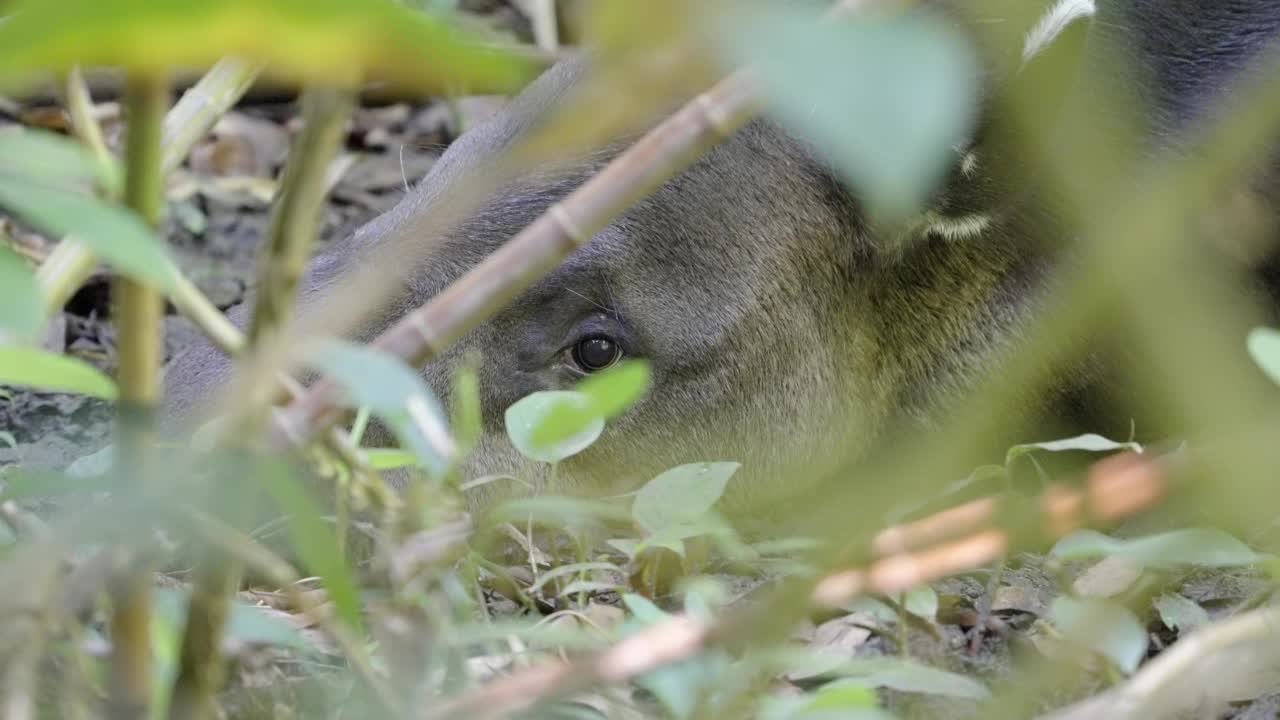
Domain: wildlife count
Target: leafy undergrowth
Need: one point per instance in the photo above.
(361, 601)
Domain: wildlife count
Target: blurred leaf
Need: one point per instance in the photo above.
(1087, 443)
(394, 393)
(908, 676)
(329, 42)
(7, 438)
(313, 540)
(1206, 547)
(1181, 614)
(608, 393)
(245, 622)
(570, 569)
(841, 696)
(681, 495)
(94, 464)
(887, 99)
(1264, 348)
(561, 512)
(113, 233)
(921, 602)
(390, 458)
(643, 609)
(1105, 628)
(22, 312)
(53, 159)
(531, 413)
(51, 372)
(21, 483)
(467, 420)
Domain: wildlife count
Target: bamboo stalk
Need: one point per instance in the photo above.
(294, 226)
(138, 315)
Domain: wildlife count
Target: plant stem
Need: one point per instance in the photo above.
(138, 314)
(294, 226)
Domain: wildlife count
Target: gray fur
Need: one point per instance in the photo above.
(784, 332)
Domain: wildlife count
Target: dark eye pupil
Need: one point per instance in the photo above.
(596, 353)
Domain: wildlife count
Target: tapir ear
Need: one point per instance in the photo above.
(1033, 51)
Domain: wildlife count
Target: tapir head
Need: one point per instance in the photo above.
(781, 330)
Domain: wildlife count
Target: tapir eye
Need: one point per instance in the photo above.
(596, 353)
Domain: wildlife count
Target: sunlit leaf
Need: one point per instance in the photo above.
(314, 540)
(608, 394)
(1179, 613)
(1085, 443)
(526, 416)
(1105, 628)
(1264, 348)
(51, 372)
(465, 408)
(390, 458)
(115, 234)
(843, 696)
(681, 495)
(21, 312)
(333, 42)
(393, 392)
(886, 98)
(1206, 547)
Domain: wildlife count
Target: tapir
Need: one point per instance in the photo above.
(785, 330)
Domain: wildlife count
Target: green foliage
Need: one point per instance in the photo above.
(1204, 547)
(1102, 627)
(681, 495)
(887, 98)
(1179, 613)
(21, 313)
(527, 415)
(395, 394)
(50, 372)
(313, 540)
(311, 41)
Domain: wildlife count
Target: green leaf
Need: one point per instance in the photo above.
(466, 416)
(394, 393)
(561, 512)
(532, 412)
(608, 393)
(1264, 347)
(570, 569)
(681, 495)
(1086, 443)
(908, 676)
(643, 609)
(245, 622)
(53, 159)
(1105, 628)
(390, 458)
(21, 311)
(1181, 614)
(314, 540)
(886, 98)
(50, 372)
(1205, 547)
(329, 42)
(921, 602)
(843, 696)
(113, 233)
